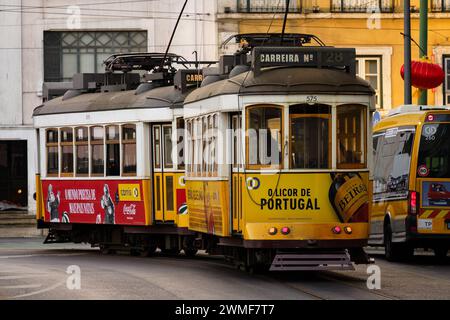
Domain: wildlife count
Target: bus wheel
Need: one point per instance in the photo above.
(395, 251)
(440, 253)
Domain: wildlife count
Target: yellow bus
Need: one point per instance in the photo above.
(411, 185)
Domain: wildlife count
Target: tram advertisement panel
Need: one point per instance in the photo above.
(94, 201)
(316, 197)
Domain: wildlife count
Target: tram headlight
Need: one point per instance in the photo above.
(285, 230)
(273, 231)
(348, 230)
(336, 230)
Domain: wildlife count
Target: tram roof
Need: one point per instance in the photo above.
(286, 80)
(163, 97)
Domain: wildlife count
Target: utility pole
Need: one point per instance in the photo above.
(423, 43)
(407, 51)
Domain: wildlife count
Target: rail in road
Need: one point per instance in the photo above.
(29, 270)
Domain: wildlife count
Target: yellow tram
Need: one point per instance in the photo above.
(278, 155)
(111, 165)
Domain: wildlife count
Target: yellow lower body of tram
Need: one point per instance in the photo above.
(285, 211)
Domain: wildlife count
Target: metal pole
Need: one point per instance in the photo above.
(423, 43)
(173, 33)
(286, 11)
(407, 51)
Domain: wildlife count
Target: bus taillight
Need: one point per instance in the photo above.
(412, 203)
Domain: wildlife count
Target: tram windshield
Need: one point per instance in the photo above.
(310, 136)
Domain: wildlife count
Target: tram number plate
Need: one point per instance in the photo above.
(311, 99)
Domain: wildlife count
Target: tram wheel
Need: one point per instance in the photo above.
(440, 253)
(190, 252)
(171, 251)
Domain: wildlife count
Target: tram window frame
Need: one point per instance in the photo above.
(189, 150)
(79, 143)
(55, 145)
(157, 145)
(181, 136)
(167, 164)
(197, 146)
(65, 144)
(205, 146)
(318, 113)
(108, 143)
(93, 142)
(362, 138)
(214, 142)
(258, 165)
(127, 143)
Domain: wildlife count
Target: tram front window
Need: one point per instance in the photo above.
(67, 151)
(351, 138)
(97, 163)
(129, 149)
(264, 136)
(112, 151)
(310, 136)
(52, 152)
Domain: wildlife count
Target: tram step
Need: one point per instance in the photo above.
(339, 260)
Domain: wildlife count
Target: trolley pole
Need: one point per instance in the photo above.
(407, 51)
(423, 41)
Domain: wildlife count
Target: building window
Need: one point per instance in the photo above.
(52, 152)
(67, 152)
(446, 86)
(362, 6)
(440, 5)
(351, 138)
(369, 69)
(264, 127)
(310, 139)
(112, 151)
(129, 149)
(97, 151)
(82, 151)
(70, 52)
(268, 6)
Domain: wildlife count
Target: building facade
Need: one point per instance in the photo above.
(372, 27)
(50, 40)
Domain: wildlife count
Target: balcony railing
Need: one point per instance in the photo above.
(267, 6)
(362, 6)
(440, 5)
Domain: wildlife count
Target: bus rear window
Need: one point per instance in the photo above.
(434, 151)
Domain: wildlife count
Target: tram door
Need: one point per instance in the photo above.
(237, 172)
(163, 173)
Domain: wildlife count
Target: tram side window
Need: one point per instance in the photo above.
(214, 145)
(205, 145)
(112, 151)
(67, 151)
(310, 139)
(264, 146)
(190, 147)
(351, 136)
(180, 143)
(52, 151)
(97, 151)
(167, 132)
(129, 149)
(82, 151)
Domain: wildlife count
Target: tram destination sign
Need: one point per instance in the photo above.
(314, 57)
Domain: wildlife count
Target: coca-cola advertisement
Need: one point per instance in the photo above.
(99, 201)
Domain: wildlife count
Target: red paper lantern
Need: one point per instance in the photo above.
(424, 75)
